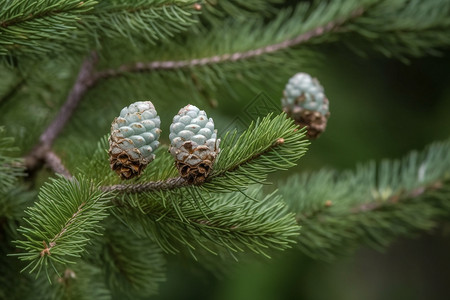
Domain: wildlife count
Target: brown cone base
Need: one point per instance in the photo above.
(194, 174)
(125, 167)
(314, 122)
(194, 163)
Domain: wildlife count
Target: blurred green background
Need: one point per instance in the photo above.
(380, 108)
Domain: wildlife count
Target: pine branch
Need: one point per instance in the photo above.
(179, 182)
(241, 49)
(236, 222)
(168, 184)
(56, 164)
(248, 49)
(269, 145)
(60, 223)
(273, 143)
(238, 154)
(40, 27)
(36, 28)
(82, 84)
(402, 28)
(16, 12)
(371, 205)
(145, 20)
(392, 200)
(229, 57)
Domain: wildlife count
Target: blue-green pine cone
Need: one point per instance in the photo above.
(194, 143)
(305, 102)
(134, 139)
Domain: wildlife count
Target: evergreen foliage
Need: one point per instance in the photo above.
(378, 202)
(30, 27)
(61, 221)
(79, 63)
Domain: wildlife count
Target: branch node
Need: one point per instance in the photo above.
(46, 250)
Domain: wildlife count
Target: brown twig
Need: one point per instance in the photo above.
(168, 184)
(84, 81)
(54, 162)
(178, 64)
(38, 155)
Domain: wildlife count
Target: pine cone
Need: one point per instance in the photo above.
(134, 138)
(193, 143)
(305, 102)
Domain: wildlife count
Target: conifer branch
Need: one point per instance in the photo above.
(230, 57)
(168, 184)
(372, 205)
(226, 220)
(83, 82)
(66, 215)
(278, 142)
(178, 182)
(395, 199)
(88, 77)
(53, 241)
(44, 12)
(39, 154)
(49, 26)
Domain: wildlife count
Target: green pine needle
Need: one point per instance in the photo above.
(371, 205)
(31, 28)
(60, 223)
(234, 221)
(268, 145)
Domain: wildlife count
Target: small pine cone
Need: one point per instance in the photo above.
(194, 143)
(305, 102)
(134, 138)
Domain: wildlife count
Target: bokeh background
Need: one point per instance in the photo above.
(380, 108)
